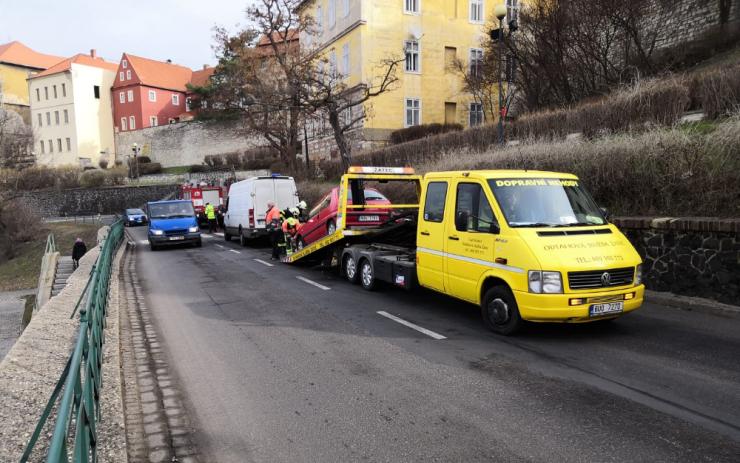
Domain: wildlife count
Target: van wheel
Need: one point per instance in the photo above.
(367, 276)
(500, 312)
(227, 237)
(242, 238)
(331, 228)
(349, 265)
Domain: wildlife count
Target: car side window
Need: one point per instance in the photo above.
(434, 203)
(322, 205)
(473, 212)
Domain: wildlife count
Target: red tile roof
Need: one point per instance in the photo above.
(19, 54)
(159, 74)
(277, 37)
(85, 60)
(200, 77)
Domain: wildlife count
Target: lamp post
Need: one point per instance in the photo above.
(136, 149)
(500, 13)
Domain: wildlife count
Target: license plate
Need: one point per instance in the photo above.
(369, 218)
(176, 238)
(597, 310)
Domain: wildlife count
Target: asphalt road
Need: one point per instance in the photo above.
(277, 369)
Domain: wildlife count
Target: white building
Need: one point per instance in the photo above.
(71, 112)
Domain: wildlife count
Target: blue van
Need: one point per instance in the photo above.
(172, 222)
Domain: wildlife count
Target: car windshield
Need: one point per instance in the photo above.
(134, 212)
(171, 210)
(370, 195)
(545, 202)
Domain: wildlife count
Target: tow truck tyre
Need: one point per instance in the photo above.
(331, 228)
(500, 312)
(367, 275)
(349, 265)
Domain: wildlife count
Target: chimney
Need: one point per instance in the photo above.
(93, 53)
(205, 66)
(169, 61)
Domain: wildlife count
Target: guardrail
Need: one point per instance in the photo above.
(80, 382)
(51, 247)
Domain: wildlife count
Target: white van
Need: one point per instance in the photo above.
(246, 206)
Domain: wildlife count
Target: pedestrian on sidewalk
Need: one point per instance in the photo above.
(78, 250)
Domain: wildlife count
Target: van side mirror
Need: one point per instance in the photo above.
(461, 221)
(604, 212)
(495, 228)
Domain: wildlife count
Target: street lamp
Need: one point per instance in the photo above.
(136, 149)
(500, 13)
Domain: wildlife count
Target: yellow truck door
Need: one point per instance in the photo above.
(431, 236)
(470, 239)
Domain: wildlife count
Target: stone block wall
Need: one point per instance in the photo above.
(694, 256)
(682, 22)
(91, 201)
(185, 143)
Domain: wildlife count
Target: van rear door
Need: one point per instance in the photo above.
(285, 193)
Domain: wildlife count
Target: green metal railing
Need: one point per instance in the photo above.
(51, 245)
(80, 382)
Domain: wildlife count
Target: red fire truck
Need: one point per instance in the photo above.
(201, 195)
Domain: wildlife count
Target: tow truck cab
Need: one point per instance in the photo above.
(524, 245)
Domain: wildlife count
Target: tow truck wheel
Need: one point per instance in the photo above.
(350, 268)
(367, 276)
(500, 312)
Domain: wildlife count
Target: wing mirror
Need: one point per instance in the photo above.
(461, 221)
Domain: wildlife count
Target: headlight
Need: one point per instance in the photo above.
(157, 232)
(193, 229)
(638, 275)
(545, 282)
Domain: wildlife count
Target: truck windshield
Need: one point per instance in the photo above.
(171, 210)
(545, 202)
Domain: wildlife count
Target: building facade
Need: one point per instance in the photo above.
(71, 112)
(148, 93)
(355, 36)
(17, 64)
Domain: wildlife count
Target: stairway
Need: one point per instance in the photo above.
(64, 270)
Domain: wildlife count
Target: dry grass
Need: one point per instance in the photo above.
(718, 91)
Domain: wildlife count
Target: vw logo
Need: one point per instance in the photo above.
(606, 279)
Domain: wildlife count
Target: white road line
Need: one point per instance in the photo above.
(234, 251)
(418, 328)
(219, 234)
(306, 280)
(143, 242)
(222, 247)
(206, 235)
(263, 262)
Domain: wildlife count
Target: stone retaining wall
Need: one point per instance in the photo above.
(695, 256)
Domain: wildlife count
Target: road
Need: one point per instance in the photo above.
(284, 363)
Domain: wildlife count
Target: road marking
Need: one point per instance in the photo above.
(418, 328)
(222, 247)
(263, 262)
(143, 242)
(206, 235)
(306, 280)
(219, 234)
(234, 251)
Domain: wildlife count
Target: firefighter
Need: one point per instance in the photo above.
(273, 223)
(211, 217)
(302, 212)
(291, 226)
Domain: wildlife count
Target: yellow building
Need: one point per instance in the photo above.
(17, 64)
(356, 35)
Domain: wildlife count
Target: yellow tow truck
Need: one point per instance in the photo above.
(523, 245)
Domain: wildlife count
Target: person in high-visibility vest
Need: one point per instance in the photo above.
(291, 226)
(273, 223)
(211, 216)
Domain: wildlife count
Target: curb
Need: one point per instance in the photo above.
(697, 304)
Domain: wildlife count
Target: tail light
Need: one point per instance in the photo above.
(251, 218)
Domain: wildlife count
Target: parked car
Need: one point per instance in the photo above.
(246, 205)
(134, 217)
(322, 219)
(172, 222)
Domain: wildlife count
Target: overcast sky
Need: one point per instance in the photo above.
(180, 30)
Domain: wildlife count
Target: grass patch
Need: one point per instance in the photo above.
(704, 127)
(22, 272)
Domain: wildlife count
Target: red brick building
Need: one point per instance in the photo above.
(148, 93)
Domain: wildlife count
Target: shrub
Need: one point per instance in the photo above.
(150, 168)
(143, 159)
(37, 178)
(92, 179)
(718, 91)
(103, 164)
(421, 131)
(198, 168)
(68, 177)
(117, 176)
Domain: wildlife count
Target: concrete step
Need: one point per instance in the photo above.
(59, 286)
(60, 281)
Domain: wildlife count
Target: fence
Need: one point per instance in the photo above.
(80, 382)
(43, 290)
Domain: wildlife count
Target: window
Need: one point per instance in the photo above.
(121, 76)
(64, 90)
(40, 120)
(347, 116)
(51, 145)
(333, 63)
(46, 93)
(345, 8)
(411, 48)
(476, 11)
(332, 13)
(43, 147)
(69, 144)
(512, 10)
(434, 204)
(66, 116)
(130, 96)
(413, 112)
(319, 19)
(450, 58)
(55, 91)
(122, 97)
(96, 91)
(59, 145)
(188, 104)
(132, 123)
(48, 118)
(476, 62)
(411, 6)
(56, 117)
(152, 96)
(476, 114)
(38, 94)
(345, 59)
(153, 121)
(473, 212)
(128, 74)
(124, 64)
(450, 112)
(176, 100)
(123, 124)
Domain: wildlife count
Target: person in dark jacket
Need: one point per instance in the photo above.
(78, 250)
